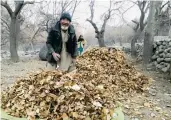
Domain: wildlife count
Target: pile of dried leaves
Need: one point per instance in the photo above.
(102, 78)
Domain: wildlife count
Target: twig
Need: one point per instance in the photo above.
(5, 4)
(5, 23)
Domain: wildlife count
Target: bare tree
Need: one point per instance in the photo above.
(149, 34)
(77, 2)
(64, 5)
(5, 26)
(58, 8)
(13, 30)
(4, 31)
(169, 14)
(139, 25)
(161, 17)
(153, 24)
(100, 33)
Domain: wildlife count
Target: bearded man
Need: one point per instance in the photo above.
(62, 44)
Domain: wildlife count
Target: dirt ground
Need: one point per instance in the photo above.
(159, 92)
(155, 104)
(11, 71)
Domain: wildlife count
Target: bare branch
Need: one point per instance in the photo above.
(136, 26)
(69, 9)
(104, 25)
(30, 2)
(68, 3)
(94, 25)
(5, 41)
(133, 2)
(75, 5)
(7, 30)
(126, 22)
(5, 4)
(143, 5)
(123, 16)
(164, 5)
(5, 23)
(19, 7)
(147, 8)
(128, 9)
(135, 22)
(92, 9)
(139, 4)
(145, 23)
(64, 5)
(107, 16)
(34, 35)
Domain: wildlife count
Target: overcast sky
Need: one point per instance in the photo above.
(83, 12)
(101, 6)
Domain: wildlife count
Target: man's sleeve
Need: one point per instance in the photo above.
(75, 47)
(49, 42)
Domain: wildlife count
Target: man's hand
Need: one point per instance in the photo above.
(56, 56)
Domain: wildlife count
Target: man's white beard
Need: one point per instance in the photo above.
(65, 28)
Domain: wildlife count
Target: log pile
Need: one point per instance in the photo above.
(162, 55)
(102, 78)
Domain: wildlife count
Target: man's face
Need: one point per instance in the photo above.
(65, 24)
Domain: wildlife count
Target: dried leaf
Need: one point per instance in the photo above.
(74, 114)
(97, 104)
(102, 77)
(147, 104)
(31, 118)
(87, 118)
(76, 87)
(65, 116)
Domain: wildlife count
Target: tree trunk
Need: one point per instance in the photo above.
(147, 51)
(169, 29)
(101, 42)
(14, 26)
(100, 38)
(32, 46)
(133, 48)
(133, 41)
(17, 25)
(120, 41)
(169, 20)
(17, 31)
(149, 35)
(32, 39)
(157, 17)
(169, 33)
(13, 40)
(170, 70)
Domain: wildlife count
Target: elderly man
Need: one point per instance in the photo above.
(62, 44)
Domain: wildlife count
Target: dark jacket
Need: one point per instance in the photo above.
(54, 42)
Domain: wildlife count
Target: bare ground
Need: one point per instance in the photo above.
(11, 71)
(158, 96)
(155, 104)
